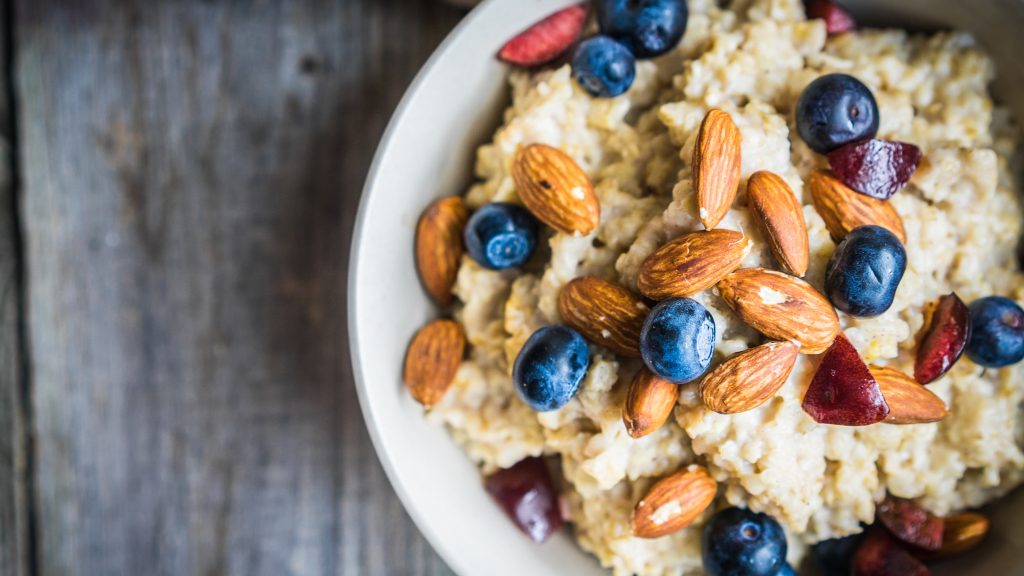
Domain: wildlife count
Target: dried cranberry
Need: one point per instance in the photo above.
(876, 168)
(945, 339)
(843, 391)
(880, 555)
(837, 19)
(547, 39)
(526, 493)
(911, 523)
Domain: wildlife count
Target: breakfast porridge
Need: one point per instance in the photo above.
(958, 220)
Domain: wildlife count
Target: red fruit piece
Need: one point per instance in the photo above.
(547, 39)
(528, 496)
(911, 523)
(843, 391)
(875, 168)
(945, 339)
(880, 555)
(837, 20)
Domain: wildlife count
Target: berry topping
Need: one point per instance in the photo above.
(501, 235)
(547, 39)
(648, 27)
(527, 494)
(945, 339)
(678, 340)
(738, 542)
(880, 555)
(836, 109)
(834, 556)
(997, 332)
(603, 67)
(843, 391)
(550, 368)
(865, 270)
(911, 523)
(837, 19)
(786, 570)
(876, 168)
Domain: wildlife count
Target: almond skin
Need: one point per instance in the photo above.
(556, 190)
(605, 313)
(439, 246)
(692, 262)
(716, 166)
(781, 307)
(674, 502)
(748, 379)
(960, 533)
(781, 218)
(432, 359)
(649, 403)
(843, 210)
(909, 402)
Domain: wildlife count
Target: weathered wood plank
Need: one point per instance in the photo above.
(191, 172)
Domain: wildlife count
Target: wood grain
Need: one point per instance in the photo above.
(190, 177)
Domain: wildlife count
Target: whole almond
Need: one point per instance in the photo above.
(649, 403)
(960, 533)
(843, 210)
(748, 379)
(909, 401)
(432, 359)
(781, 218)
(716, 166)
(692, 262)
(556, 190)
(439, 246)
(782, 307)
(605, 312)
(674, 502)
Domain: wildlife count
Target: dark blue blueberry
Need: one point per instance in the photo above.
(787, 570)
(678, 340)
(501, 235)
(603, 67)
(834, 557)
(738, 542)
(865, 270)
(836, 109)
(648, 27)
(550, 367)
(997, 332)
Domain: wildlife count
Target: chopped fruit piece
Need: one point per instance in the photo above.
(648, 27)
(837, 19)
(603, 67)
(843, 391)
(876, 168)
(547, 39)
(945, 339)
(881, 555)
(836, 109)
(911, 523)
(997, 332)
(550, 367)
(527, 494)
(738, 541)
(961, 533)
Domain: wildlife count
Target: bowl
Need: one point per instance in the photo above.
(454, 105)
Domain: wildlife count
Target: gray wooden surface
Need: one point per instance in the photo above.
(188, 178)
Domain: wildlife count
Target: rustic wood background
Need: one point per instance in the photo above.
(177, 190)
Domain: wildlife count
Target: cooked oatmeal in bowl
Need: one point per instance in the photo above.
(708, 302)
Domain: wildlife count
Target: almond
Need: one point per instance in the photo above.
(649, 403)
(960, 533)
(556, 189)
(843, 210)
(439, 246)
(433, 358)
(674, 502)
(781, 218)
(606, 313)
(748, 379)
(716, 166)
(909, 402)
(781, 307)
(692, 262)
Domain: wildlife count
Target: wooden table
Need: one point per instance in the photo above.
(178, 193)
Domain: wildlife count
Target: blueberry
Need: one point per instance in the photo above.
(997, 332)
(603, 67)
(834, 110)
(834, 557)
(865, 270)
(678, 340)
(550, 367)
(501, 235)
(648, 27)
(739, 542)
(786, 570)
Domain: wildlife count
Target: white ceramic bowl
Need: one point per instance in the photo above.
(427, 152)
